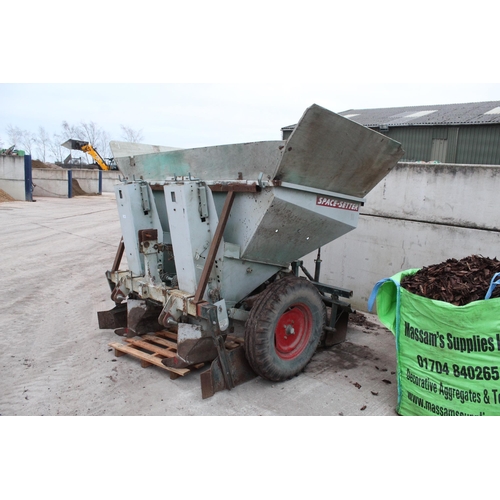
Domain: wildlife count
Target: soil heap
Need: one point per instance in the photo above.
(5, 196)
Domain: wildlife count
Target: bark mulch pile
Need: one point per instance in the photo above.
(457, 282)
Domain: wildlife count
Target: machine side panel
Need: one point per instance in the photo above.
(246, 215)
(238, 278)
(133, 217)
(122, 149)
(227, 162)
(298, 223)
(191, 236)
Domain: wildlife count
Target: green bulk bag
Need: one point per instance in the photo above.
(448, 357)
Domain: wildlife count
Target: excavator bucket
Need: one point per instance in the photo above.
(86, 147)
(74, 144)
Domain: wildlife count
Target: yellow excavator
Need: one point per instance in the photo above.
(86, 147)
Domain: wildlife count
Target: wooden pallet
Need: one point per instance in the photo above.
(152, 348)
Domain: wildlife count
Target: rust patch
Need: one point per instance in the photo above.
(224, 187)
(148, 235)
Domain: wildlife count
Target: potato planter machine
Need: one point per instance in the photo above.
(213, 239)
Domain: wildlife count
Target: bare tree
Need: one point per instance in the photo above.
(14, 135)
(71, 131)
(21, 138)
(42, 141)
(131, 135)
(28, 141)
(68, 131)
(91, 133)
(50, 147)
(96, 136)
(106, 150)
(55, 147)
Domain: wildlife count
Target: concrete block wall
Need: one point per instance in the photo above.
(54, 181)
(459, 195)
(12, 176)
(89, 180)
(419, 215)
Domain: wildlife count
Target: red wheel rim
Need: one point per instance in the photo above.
(293, 331)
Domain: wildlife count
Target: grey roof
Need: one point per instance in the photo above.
(473, 113)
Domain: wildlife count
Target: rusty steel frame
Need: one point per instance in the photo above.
(118, 256)
(207, 268)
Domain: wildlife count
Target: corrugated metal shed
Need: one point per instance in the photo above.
(436, 114)
(452, 133)
(442, 114)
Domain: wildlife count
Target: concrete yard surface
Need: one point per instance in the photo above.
(56, 361)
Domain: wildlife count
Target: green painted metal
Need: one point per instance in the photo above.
(479, 145)
(467, 144)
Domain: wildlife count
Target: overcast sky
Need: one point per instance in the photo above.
(431, 53)
(193, 115)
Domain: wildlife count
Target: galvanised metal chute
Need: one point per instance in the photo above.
(213, 239)
(329, 152)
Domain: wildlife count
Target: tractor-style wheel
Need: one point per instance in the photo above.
(284, 328)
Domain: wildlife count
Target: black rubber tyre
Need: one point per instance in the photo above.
(284, 328)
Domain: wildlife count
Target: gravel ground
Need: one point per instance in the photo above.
(56, 361)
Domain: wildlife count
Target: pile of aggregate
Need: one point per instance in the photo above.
(5, 196)
(458, 282)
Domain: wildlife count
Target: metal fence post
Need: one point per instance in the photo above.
(28, 178)
(70, 184)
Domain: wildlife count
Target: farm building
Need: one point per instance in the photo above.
(448, 133)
